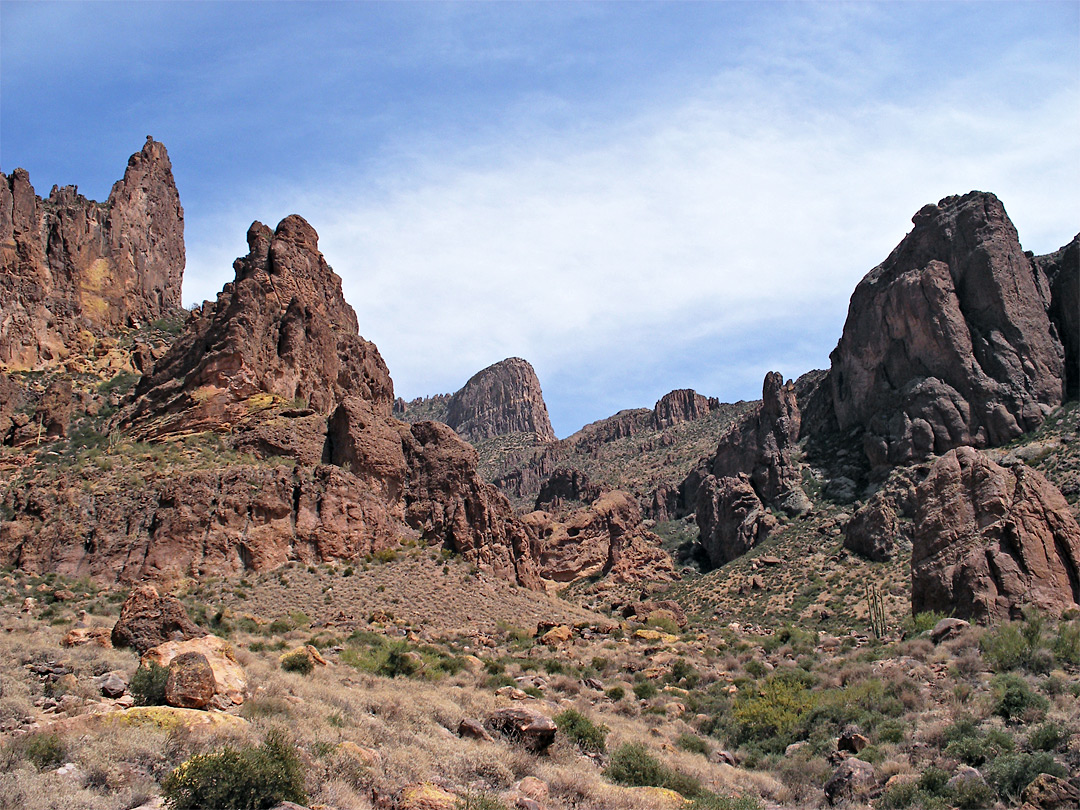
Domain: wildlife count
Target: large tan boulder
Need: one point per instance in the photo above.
(191, 683)
(532, 729)
(990, 540)
(231, 682)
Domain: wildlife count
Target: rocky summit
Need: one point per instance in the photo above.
(949, 342)
(861, 589)
(72, 268)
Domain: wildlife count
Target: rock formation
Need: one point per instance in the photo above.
(947, 342)
(990, 540)
(275, 364)
(1061, 281)
(148, 619)
(604, 538)
(751, 469)
(70, 266)
(682, 405)
(502, 399)
(564, 485)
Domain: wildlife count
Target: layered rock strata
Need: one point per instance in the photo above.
(69, 265)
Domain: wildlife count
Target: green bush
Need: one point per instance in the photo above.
(479, 801)
(923, 622)
(43, 749)
(583, 732)
(238, 779)
(1013, 698)
(972, 794)
(684, 674)
(692, 743)
(1047, 737)
(644, 690)
(772, 716)
(297, 661)
(1011, 773)
(399, 661)
(148, 685)
(616, 693)
(1067, 644)
(968, 744)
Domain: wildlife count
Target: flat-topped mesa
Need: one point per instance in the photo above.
(69, 265)
(502, 399)
(948, 341)
(281, 329)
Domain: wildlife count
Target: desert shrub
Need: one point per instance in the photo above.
(297, 661)
(665, 624)
(479, 800)
(1003, 647)
(800, 641)
(1011, 773)
(634, 766)
(644, 690)
(43, 749)
(1013, 698)
(966, 742)
(148, 685)
(1067, 644)
(713, 801)
(755, 668)
(399, 661)
(247, 778)
(278, 626)
(583, 732)
(971, 794)
(922, 622)
(616, 693)
(1047, 737)
(684, 673)
(692, 743)
(772, 716)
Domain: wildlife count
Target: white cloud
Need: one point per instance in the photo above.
(736, 209)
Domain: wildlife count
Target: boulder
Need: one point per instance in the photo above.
(990, 540)
(148, 619)
(1048, 792)
(528, 727)
(852, 781)
(426, 796)
(947, 343)
(473, 729)
(948, 628)
(98, 636)
(191, 683)
(229, 677)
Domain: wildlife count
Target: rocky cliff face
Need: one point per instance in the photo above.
(989, 540)
(276, 365)
(682, 405)
(1061, 285)
(947, 342)
(752, 468)
(605, 537)
(502, 399)
(69, 265)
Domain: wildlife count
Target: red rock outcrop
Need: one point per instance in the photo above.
(503, 398)
(281, 328)
(751, 469)
(947, 342)
(682, 405)
(276, 365)
(731, 518)
(566, 485)
(990, 540)
(69, 264)
(604, 538)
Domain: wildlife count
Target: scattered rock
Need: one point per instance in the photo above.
(852, 741)
(1048, 792)
(112, 684)
(98, 636)
(229, 677)
(473, 729)
(191, 683)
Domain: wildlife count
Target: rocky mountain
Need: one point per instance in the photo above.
(72, 269)
(504, 399)
(948, 342)
(292, 454)
(639, 450)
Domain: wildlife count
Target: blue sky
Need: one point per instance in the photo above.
(634, 197)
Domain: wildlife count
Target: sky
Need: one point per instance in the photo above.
(634, 197)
